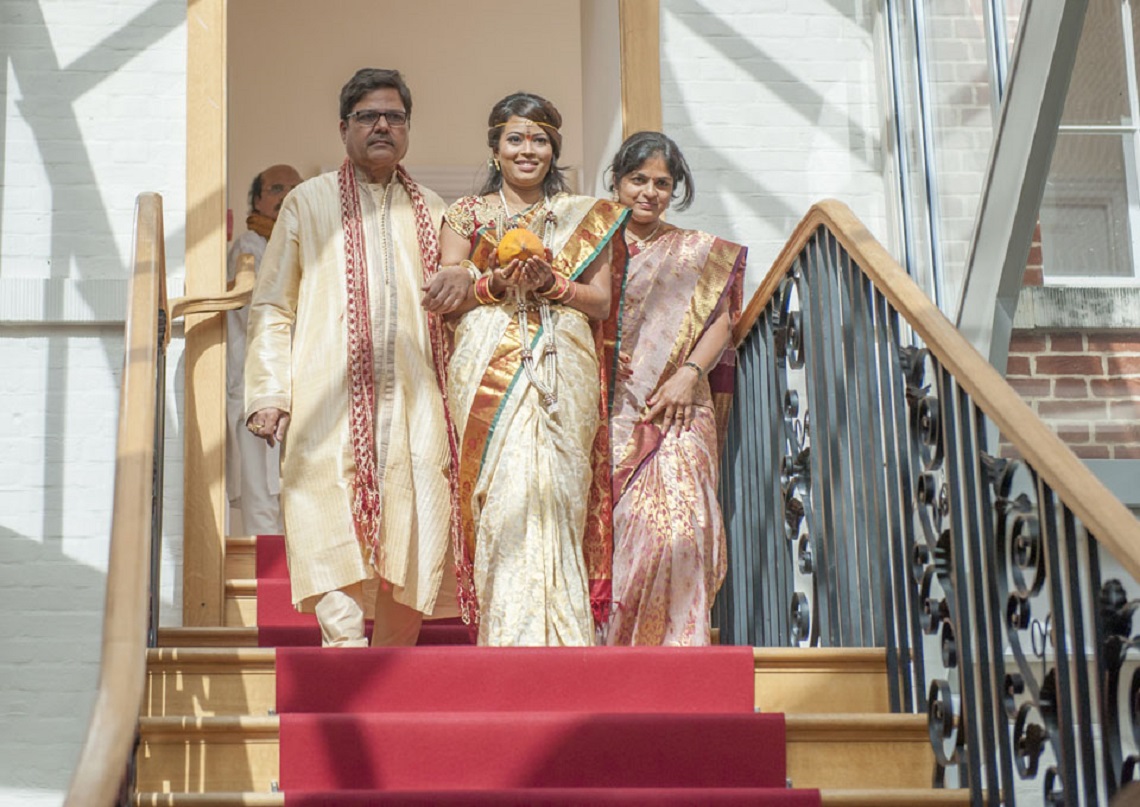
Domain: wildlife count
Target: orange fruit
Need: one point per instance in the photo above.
(519, 243)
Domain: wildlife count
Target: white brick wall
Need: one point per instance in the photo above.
(93, 102)
(774, 103)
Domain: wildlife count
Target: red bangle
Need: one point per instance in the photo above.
(561, 290)
(483, 291)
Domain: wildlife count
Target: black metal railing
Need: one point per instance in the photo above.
(873, 499)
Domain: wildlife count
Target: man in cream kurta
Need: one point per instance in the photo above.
(298, 378)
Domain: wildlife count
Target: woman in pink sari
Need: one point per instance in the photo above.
(681, 298)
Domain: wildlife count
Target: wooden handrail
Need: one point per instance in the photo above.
(1114, 527)
(236, 297)
(110, 737)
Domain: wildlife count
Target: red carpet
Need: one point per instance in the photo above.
(515, 679)
(281, 625)
(478, 751)
(513, 726)
(562, 797)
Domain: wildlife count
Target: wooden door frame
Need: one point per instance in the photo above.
(204, 495)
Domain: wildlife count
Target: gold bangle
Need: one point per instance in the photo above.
(472, 269)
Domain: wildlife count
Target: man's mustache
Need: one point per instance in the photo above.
(374, 140)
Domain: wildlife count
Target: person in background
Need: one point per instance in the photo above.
(682, 296)
(349, 370)
(253, 468)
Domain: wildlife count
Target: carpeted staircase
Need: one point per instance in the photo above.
(450, 723)
(635, 725)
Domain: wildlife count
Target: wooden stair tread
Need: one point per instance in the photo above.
(219, 799)
(207, 637)
(837, 659)
(799, 727)
(196, 726)
(842, 752)
(193, 656)
(900, 797)
(888, 727)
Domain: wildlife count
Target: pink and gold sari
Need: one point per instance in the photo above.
(669, 540)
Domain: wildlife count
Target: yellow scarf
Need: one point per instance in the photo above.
(262, 225)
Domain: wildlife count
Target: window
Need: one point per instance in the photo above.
(1090, 213)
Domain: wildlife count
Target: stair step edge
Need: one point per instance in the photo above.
(828, 798)
(888, 727)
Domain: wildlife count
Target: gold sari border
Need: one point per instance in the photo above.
(714, 283)
(596, 229)
(720, 274)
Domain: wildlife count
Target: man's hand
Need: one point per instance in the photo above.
(270, 424)
(446, 290)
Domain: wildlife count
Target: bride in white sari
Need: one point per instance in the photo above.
(535, 555)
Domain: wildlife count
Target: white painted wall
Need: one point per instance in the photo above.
(93, 112)
(773, 101)
(775, 105)
(601, 92)
(288, 60)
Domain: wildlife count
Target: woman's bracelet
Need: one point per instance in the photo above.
(561, 290)
(483, 291)
(695, 366)
(472, 270)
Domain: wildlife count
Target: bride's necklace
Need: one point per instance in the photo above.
(640, 243)
(547, 349)
(506, 212)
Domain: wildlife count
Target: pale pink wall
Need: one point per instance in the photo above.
(289, 58)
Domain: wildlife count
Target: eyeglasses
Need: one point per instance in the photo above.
(370, 117)
(277, 190)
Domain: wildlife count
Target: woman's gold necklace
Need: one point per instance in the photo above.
(640, 243)
(547, 348)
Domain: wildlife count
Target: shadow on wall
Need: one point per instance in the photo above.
(87, 211)
(82, 226)
(53, 613)
(805, 104)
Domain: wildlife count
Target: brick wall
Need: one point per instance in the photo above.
(1085, 385)
(93, 111)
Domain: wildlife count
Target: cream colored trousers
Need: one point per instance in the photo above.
(341, 617)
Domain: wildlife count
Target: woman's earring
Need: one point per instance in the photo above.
(493, 165)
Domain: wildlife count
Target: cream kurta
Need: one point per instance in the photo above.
(297, 360)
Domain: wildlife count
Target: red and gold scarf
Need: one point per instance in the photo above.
(367, 502)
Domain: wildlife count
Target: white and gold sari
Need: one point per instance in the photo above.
(534, 483)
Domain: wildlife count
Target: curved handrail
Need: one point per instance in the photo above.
(1102, 513)
(111, 733)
